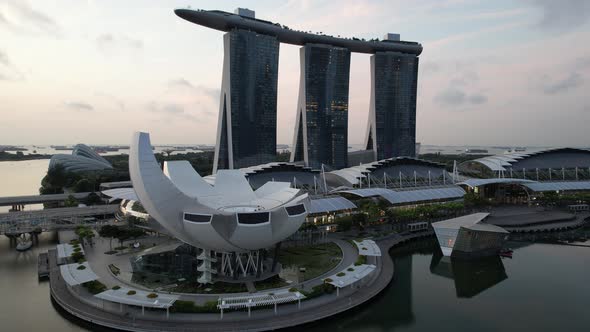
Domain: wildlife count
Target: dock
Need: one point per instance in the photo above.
(43, 265)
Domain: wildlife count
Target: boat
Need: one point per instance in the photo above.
(24, 245)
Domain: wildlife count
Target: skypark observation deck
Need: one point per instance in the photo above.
(224, 21)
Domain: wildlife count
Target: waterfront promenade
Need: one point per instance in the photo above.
(288, 315)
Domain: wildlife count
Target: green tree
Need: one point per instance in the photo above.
(83, 185)
(71, 201)
(110, 232)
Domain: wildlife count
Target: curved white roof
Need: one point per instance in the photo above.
(82, 159)
(502, 162)
(224, 216)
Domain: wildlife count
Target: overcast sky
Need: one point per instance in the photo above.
(491, 73)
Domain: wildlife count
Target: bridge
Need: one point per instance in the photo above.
(18, 202)
(19, 222)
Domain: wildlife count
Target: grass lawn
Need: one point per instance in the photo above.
(316, 259)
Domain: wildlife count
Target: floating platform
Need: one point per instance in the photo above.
(43, 265)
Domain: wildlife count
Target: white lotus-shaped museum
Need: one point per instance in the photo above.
(227, 216)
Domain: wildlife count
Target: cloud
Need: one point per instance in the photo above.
(450, 97)
(199, 90)
(8, 71)
(108, 42)
(19, 16)
(4, 59)
(78, 106)
(573, 80)
(563, 15)
(454, 97)
(477, 99)
(113, 100)
(169, 110)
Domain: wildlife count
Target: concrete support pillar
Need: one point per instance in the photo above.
(121, 307)
(337, 291)
(142, 310)
(221, 313)
(275, 308)
(167, 312)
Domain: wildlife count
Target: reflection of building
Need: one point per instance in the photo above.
(170, 262)
(321, 131)
(391, 128)
(247, 127)
(82, 159)
(471, 276)
(469, 236)
(228, 217)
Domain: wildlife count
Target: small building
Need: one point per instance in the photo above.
(468, 235)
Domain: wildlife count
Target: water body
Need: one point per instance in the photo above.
(543, 288)
(19, 178)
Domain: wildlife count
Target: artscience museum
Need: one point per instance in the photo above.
(229, 221)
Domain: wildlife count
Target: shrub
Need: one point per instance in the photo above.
(95, 286)
(77, 255)
(116, 287)
(360, 260)
(341, 274)
(190, 307)
(75, 242)
(318, 290)
(81, 267)
(77, 249)
(152, 295)
(293, 290)
(350, 269)
(131, 292)
(328, 280)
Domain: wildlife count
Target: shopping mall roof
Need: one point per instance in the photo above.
(558, 186)
(483, 182)
(556, 158)
(530, 184)
(410, 196)
(355, 173)
(331, 204)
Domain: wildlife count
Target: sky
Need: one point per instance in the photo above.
(510, 73)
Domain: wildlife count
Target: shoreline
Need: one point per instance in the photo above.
(308, 314)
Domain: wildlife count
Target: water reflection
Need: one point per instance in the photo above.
(471, 277)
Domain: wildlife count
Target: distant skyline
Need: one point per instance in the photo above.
(492, 72)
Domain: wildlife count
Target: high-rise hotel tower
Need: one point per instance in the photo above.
(321, 130)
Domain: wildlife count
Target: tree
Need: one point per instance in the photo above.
(83, 185)
(359, 219)
(109, 231)
(71, 201)
(84, 233)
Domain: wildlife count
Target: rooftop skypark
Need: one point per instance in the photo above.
(224, 21)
